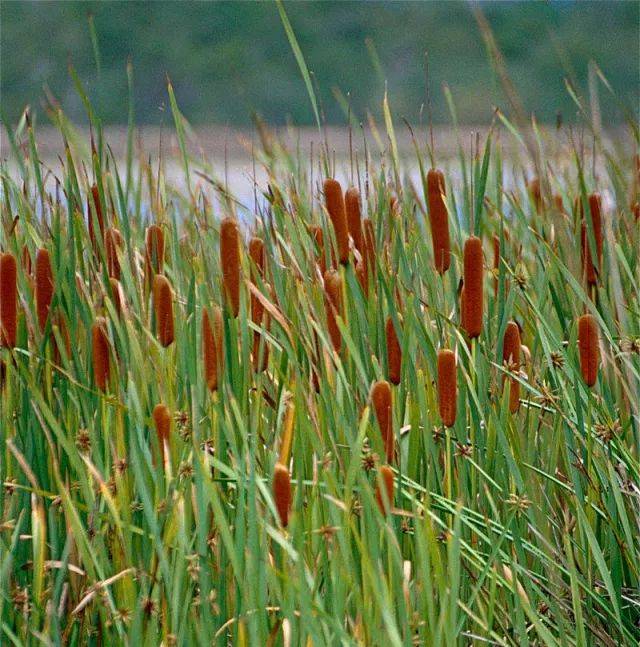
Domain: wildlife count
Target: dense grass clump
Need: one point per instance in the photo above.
(370, 411)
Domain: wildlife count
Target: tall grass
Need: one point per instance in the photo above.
(314, 502)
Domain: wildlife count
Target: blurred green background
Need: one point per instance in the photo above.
(227, 59)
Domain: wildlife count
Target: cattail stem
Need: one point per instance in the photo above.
(589, 350)
(447, 387)
(8, 300)
(381, 399)
(473, 286)
(163, 305)
(334, 202)
(230, 263)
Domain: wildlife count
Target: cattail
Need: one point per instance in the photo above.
(318, 238)
(394, 353)
(154, 251)
(589, 348)
(636, 211)
(335, 206)
(44, 286)
(230, 262)
(473, 286)
(333, 306)
(163, 306)
(117, 296)
(100, 353)
(369, 247)
(439, 220)
(361, 275)
(590, 268)
(8, 300)
(557, 200)
(447, 386)
(282, 492)
(212, 350)
(162, 421)
(511, 348)
(385, 479)
(256, 254)
(113, 242)
(381, 399)
(354, 222)
(535, 192)
(94, 206)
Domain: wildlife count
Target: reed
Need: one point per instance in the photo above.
(381, 399)
(100, 353)
(282, 493)
(394, 353)
(163, 306)
(590, 268)
(473, 286)
(439, 220)
(212, 348)
(162, 422)
(354, 218)
(385, 489)
(447, 387)
(334, 202)
(589, 349)
(44, 286)
(333, 306)
(511, 347)
(230, 263)
(8, 300)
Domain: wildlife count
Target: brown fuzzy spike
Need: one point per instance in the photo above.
(591, 269)
(385, 479)
(230, 263)
(113, 243)
(334, 202)
(163, 306)
(162, 422)
(354, 221)
(447, 386)
(256, 253)
(44, 286)
(589, 348)
(381, 400)
(154, 252)
(439, 220)
(282, 493)
(394, 353)
(511, 358)
(100, 353)
(473, 286)
(8, 300)
(212, 348)
(333, 306)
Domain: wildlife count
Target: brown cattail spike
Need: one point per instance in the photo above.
(162, 422)
(154, 252)
(117, 296)
(256, 254)
(212, 350)
(282, 492)
(100, 353)
(333, 306)
(384, 489)
(394, 353)
(381, 399)
(8, 300)
(230, 262)
(439, 220)
(94, 213)
(163, 306)
(334, 201)
(473, 286)
(588, 345)
(591, 268)
(354, 222)
(44, 286)
(113, 242)
(447, 387)
(536, 193)
(511, 360)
